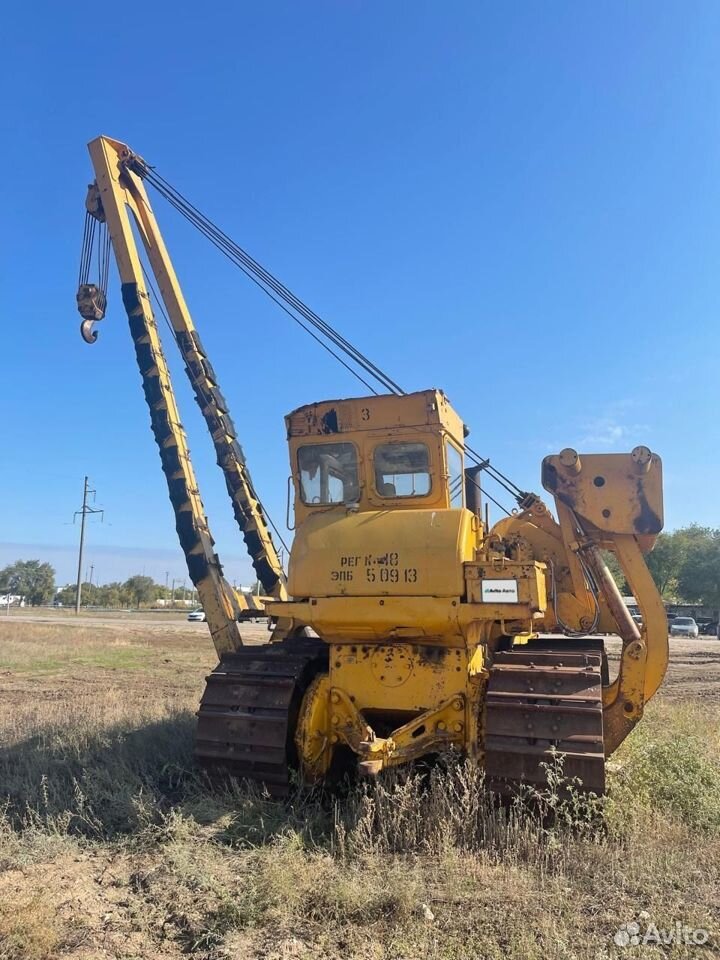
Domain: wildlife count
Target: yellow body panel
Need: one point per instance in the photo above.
(615, 492)
(382, 553)
(398, 676)
(372, 618)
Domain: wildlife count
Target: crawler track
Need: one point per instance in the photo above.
(247, 715)
(540, 697)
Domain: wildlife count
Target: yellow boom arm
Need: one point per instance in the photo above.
(117, 192)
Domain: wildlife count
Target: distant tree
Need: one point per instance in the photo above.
(616, 570)
(139, 589)
(89, 594)
(685, 565)
(31, 579)
(66, 596)
(101, 595)
(110, 595)
(699, 577)
(666, 560)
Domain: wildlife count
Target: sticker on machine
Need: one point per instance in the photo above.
(499, 591)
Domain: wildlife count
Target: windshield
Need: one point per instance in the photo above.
(328, 473)
(402, 469)
(684, 621)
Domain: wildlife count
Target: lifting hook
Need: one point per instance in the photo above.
(86, 331)
(91, 301)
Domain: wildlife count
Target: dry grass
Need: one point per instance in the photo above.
(112, 845)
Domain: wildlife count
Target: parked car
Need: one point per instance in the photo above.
(684, 627)
(197, 616)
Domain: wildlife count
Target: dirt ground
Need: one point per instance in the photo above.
(64, 657)
(694, 670)
(177, 654)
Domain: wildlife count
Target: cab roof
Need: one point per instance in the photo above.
(420, 409)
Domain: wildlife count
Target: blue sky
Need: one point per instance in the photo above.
(518, 203)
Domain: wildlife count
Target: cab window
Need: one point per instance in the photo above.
(455, 475)
(402, 469)
(328, 473)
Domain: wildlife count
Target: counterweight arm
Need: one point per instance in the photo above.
(607, 502)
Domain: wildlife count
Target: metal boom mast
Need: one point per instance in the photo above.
(118, 189)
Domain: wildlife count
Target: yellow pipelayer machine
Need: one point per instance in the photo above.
(407, 626)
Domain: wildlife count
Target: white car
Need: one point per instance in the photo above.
(197, 616)
(684, 627)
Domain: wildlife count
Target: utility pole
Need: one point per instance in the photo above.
(86, 509)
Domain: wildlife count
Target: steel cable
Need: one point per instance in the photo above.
(200, 226)
(278, 292)
(266, 279)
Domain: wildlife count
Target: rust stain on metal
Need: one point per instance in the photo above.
(329, 422)
(647, 520)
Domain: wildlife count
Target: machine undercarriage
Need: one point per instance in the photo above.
(539, 701)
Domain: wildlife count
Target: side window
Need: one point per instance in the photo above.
(328, 473)
(402, 469)
(456, 476)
